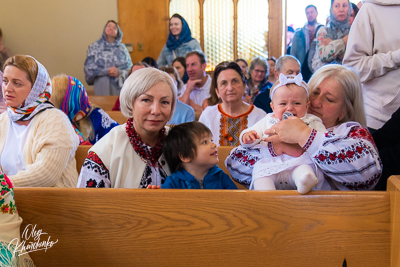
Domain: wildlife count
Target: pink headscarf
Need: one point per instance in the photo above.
(3, 106)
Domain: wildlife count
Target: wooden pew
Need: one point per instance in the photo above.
(105, 102)
(80, 156)
(117, 116)
(139, 227)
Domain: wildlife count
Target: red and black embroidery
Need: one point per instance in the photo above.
(245, 158)
(147, 153)
(310, 139)
(364, 185)
(349, 154)
(92, 156)
(271, 150)
(96, 165)
(356, 132)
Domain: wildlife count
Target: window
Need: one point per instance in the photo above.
(231, 29)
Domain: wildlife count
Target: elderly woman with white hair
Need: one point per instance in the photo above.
(346, 154)
(130, 155)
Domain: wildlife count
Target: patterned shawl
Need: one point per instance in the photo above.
(103, 55)
(37, 100)
(76, 101)
(184, 37)
(338, 29)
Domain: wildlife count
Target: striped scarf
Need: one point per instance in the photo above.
(76, 101)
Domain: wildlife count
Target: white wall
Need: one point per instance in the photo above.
(56, 32)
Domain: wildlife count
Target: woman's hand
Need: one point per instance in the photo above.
(250, 137)
(247, 98)
(113, 72)
(326, 41)
(345, 39)
(292, 131)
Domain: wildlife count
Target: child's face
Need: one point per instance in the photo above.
(293, 99)
(207, 154)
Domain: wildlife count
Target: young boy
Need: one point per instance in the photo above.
(192, 157)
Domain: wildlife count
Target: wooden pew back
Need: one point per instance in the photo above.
(105, 102)
(136, 227)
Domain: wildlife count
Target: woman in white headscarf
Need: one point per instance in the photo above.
(37, 141)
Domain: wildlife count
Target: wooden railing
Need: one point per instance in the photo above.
(138, 227)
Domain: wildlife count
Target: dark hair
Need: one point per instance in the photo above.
(226, 66)
(272, 58)
(200, 54)
(181, 60)
(151, 62)
(1, 33)
(181, 142)
(176, 15)
(355, 8)
(307, 7)
(242, 60)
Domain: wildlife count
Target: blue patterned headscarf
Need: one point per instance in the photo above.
(76, 101)
(184, 37)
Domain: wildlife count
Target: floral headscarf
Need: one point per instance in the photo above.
(37, 100)
(184, 37)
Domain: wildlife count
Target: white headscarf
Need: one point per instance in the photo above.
(37, 100)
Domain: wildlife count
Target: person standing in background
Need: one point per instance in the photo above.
(108, 62)
(303, 38)
(4, 51)
(179, 43)
(373, 51)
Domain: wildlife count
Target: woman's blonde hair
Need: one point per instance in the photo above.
(24, 63)
(138, 83)
(60, 85)
(350, 83)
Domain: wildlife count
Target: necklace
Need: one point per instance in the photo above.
(146, 153)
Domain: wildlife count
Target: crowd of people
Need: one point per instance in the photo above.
(323, 118)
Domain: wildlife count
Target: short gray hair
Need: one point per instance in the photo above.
(138, 83)
(259, 62)
(349, 81)
(281, 61)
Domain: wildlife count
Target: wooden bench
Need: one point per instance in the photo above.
(139, 227)
(105, 102)
(223, 152)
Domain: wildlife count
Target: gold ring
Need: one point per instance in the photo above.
(274, 131)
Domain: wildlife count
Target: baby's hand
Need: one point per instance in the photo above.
(250, 137)
(154, 186)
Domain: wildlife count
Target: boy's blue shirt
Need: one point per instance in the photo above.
(214, 179)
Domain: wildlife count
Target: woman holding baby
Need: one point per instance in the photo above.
(345, 153)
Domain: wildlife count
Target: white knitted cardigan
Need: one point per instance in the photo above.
(49, 151)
